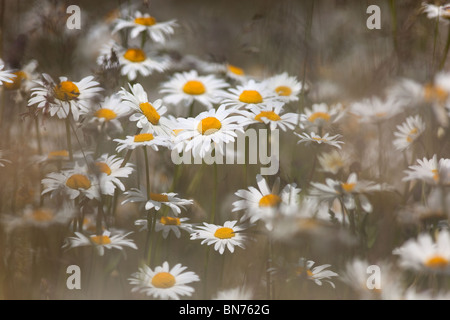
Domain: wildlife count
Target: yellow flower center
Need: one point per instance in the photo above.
(319, 115)
(16, 81)
(250, 96)
(159, 197)
(100, 240)
(135, 55)
(163, 280)
(103, 167)
(78, 181)
(436, 262)
(269, 200)
(272, 116)
(194, 87)
(143, 137)
(224, 233)
(348, 187)
(301, 270)
(169, 221)
(150, 113)
(42, 215)
(409, 137)
(434, 93)
(283, 91)
(209, 126)
(145, 21)
(435, 174)
(319, 139)
(235, 70)
(58, 154)
(66, 91)
(106, 114)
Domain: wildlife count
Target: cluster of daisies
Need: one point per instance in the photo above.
(199, 110)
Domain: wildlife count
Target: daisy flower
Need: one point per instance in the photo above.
(168, 224)
(110, 171)
(320, 115)
(100, 242)
(326, 139)
(6, 76)
(163, 282)
(134, 61)
(430, 171)
(157, 200)
(265, 203)
(222, 237)
(185, 88)
(24, 78)
(65, 96)
(148, 115)
(425, 253)
(374, 110)
(3, 161)
(408, 132)
(285, 86)
(74, 183)
(332, 161)
(251, 94)
(274, 117)
(207, 131)
(107, 113)
(145, 23)
(356, 276)
(317, 274)
(347, 191)
(440, 12)
(142, 140)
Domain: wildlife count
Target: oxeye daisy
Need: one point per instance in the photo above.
(148, 115)
(100, 242)
(147, 24)
(157, 200)
(24, 77)
(440, 12)
(208, 131)
(265, 204)
(6, 76)
(317, 274)
(163, 282)
(168, 224)
(425, 253)
(110, 171)
(65, 97)
(274, 117)
(250, 95)
(314, 138)
(222, 237)
(375, 110)
(321, 114)
(347, 191)
(74, 183)
(332, 161)
(142, 140)
(285, 86)
(134, 61)
(3, 161)
(107, 113)
(185, 88)
(408, 132)
(430, 171)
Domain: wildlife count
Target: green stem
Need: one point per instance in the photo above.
(38, 134)
(214, 197)
(69, 138)
(447, 47)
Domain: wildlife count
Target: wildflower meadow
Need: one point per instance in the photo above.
(224, 150)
